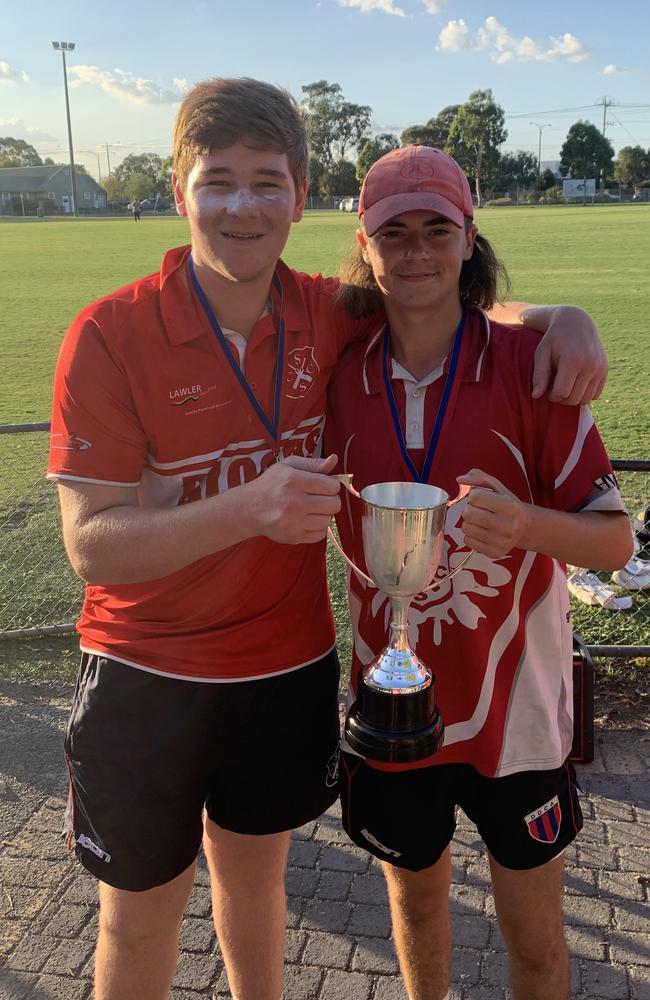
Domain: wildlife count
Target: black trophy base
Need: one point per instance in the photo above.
(394, 729)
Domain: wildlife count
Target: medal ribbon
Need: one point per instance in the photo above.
(423, 477)
(270, 425)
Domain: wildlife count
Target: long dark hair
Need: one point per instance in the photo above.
(483, 280)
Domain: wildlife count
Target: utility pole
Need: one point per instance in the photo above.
(539, 151)
(108, 160)
(606, 103)
(99, 168)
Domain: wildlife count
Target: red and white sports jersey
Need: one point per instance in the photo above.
(144, 397)
(497, 635)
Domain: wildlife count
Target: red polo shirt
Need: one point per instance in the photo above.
(144, 397)
(497, 635)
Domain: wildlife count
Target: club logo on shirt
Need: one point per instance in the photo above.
(302, 369)
(544, 823)
(70, 442)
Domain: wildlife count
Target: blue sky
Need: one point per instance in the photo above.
(407, 59)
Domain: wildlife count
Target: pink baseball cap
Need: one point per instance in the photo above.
(411, 178)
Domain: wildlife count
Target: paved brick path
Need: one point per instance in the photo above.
(338, 943)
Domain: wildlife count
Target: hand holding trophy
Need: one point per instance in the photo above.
(395, 718)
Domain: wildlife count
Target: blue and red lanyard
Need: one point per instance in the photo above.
(272, 425)
(423, 476)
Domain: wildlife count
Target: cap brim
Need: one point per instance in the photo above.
(387, 208)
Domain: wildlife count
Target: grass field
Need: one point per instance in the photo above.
(597, 257)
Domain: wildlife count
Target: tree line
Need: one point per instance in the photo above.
(343, 149)
(472, 133)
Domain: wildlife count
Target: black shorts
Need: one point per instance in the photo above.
(408, 818)
(146, 753)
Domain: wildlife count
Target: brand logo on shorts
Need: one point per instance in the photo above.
(332, 774)
(69, 442)
(544, 823)
(85, 841)
(382, 847)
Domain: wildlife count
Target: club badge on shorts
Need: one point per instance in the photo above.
(544, 823)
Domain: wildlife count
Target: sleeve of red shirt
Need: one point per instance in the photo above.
(573, 467)
(96, 435)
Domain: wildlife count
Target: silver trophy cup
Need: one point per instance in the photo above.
(395, 717)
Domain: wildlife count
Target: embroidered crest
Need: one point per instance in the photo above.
(302, 368)
(544, 823)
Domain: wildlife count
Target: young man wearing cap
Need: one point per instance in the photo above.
(441, 395)
(186, 442)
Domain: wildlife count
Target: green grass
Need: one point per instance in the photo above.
(596, 257)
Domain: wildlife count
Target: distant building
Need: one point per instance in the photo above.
(46, 189)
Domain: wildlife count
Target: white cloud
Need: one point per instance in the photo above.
(182, 85)
(126, 86)
(18, 130)
(456, 37)
(366, 6)
(434, 6)
(7, 74)
(505, 47)
(612, 70)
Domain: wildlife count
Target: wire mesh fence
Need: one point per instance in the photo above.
(39, 593)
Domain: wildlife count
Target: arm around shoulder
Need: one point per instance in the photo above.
(570, 361)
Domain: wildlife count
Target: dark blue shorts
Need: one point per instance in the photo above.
(146, 753)
(408, 818)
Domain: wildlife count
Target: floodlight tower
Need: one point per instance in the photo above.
(64, 47)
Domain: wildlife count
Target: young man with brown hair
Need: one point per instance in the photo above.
(186, 437)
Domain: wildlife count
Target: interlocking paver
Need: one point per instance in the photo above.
(334, 885)
(608, 981)
(343, 985)
(338, 940)
(374, 955)
(328, 950)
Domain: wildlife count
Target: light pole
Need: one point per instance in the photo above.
(64, 47)
(539, 153)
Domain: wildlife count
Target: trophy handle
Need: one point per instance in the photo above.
(462, 493)
(345, 479)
